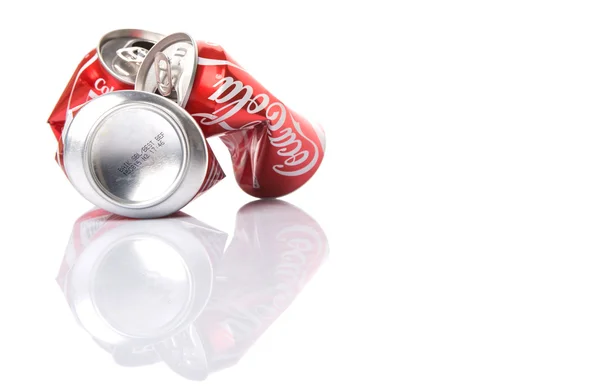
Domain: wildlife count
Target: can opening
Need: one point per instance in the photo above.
(122, 51)
(142, 44)
(172, 96)
(128, 58)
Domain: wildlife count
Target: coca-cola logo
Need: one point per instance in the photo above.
(305, 248)
(100, 87)
(300, 153)
(301, 249)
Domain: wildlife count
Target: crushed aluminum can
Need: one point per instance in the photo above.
(137, 154)
(274, 150)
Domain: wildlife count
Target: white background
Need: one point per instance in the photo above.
(459, 193)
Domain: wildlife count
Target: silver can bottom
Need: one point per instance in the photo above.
(135, 154)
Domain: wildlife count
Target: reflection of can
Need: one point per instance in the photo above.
(111, 66)
(162, 290)
(275, 250)
(133, 283)
(274, 149)
(137, 154)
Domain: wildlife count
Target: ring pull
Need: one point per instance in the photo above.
(162, 70)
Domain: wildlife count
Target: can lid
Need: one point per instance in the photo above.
(169, 68)
(121, 52)
(135, 154)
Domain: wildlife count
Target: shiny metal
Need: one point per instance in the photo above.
(164, 77)
(174, 80)
(122, 51)
(135, 154)
(132, 54)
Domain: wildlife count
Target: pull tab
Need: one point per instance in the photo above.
(132, 54)
(162, 70)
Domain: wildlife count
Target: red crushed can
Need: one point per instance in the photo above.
(274, 150)
(112, 66)
(140, 165)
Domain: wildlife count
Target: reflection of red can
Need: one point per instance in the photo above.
(275, 251)
(111, 66)
(274, 150)
(166, 290)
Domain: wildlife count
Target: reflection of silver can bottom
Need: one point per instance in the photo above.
(135, 154)
(141, 282)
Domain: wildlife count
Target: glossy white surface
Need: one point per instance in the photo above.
(167, 290)
(459, 195)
